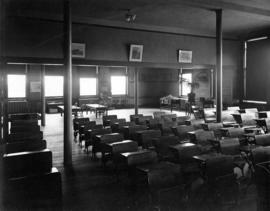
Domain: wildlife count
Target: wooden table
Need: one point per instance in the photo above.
(75, 109)
(98, 109)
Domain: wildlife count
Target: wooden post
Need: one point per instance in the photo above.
(136, 91)
(212, 83)
(1, 71)
(219, 63)
(67, 84)
(43, 101)
(4, 91)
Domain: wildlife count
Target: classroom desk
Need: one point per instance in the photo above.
(75, 110)
(98, 109)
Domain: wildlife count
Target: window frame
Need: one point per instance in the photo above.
(181, 84)
(85, 96)
(126, 85)
(25, 87)
(53, 97)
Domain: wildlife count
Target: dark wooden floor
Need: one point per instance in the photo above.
(89, 186)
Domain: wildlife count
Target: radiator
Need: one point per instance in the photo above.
(17, 107)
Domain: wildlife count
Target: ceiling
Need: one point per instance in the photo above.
(241, 18)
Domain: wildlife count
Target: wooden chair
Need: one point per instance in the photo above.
(130, 131)
(144, 138)
(220, 179)
(181, 120)
(77, 122)
(165, 127)
(22, 146)
(85, 127)
(15, 137)
(117, 127)
(181, 131)
(162, 147)
(262, 140)
(143, 120)
(92, 141)
(215, 127)
(134, 117)
(157, 114)
(234, 132)
(196, 123)
(106, 119)
(30, 174)
(209, 115)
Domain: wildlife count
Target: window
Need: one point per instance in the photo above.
(54, 86)
(16, 86)
(185, 81)
(88, 86)
(118, 85)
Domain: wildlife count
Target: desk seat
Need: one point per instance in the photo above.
(27, 163)
(139, 157)
(33, 188)
(29, 145)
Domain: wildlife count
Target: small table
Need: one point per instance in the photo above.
(98, 109)
(75, 110)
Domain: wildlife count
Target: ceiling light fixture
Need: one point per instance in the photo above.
(130, 17)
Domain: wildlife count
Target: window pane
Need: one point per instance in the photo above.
(16, 86)
(54, 86)
(186, 80)
(88, 86)
(118, 85)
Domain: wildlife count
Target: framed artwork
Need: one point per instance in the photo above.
(135, 53)
(184, 56)
(35, 86)
(78, 50)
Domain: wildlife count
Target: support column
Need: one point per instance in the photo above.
(212, 83)
(219, 63)
(3, 85)
(136, 91)
(181, 81)
(67, 84)
(1, 72)
(43, 101)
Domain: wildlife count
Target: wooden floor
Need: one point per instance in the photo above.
(89, 186)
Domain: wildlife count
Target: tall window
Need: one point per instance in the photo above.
(16, 86)
(88, 86)
(54, 86)
(118, 85)
(185, 81)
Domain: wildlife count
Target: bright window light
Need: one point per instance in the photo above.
(118, 85)
(54, 86)
(88, 86)
(16, 86)
(186, 80)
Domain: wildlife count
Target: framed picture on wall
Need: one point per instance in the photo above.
(135, 53)
(78, 50)
(184, 56)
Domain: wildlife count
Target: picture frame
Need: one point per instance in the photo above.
(135, 53)
(78, 50)
(184, 56)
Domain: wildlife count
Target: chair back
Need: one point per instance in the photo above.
(262, 140)
(230, 146)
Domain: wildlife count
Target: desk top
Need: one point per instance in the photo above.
(96, 106)
(180, 146)
(72, 107)
(205, 157)
(158, 166)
